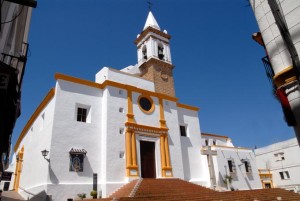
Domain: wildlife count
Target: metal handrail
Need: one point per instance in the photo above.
(268, 67)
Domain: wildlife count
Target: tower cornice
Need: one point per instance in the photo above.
(153, 30)
(155, 61)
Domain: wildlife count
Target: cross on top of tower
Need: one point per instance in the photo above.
(149, 5)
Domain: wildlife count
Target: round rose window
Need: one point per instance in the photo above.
(145, 103)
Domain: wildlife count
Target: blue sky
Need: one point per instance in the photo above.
(217, 65)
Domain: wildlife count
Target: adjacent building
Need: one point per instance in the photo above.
(279, 26)
(15, 19)
(230, 167)
(279, 165)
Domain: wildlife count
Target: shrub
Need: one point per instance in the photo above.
(94, 194)
(81, 195)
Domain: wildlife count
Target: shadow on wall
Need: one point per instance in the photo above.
(87, 169)
(221, 182)
(52, 176)
(40, 197)
(250, 177)
(185, 144)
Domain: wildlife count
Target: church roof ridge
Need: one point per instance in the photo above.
(151, 22)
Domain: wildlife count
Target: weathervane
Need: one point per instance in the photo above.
(149, 5)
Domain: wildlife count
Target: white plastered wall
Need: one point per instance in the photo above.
(171, 117)
(35, 168)
(194, 168)
(240, 179)
(266, 159)
(68, 133)
(114, 118)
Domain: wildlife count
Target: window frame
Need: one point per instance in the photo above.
(183, 132)
(284, 175)
(231, 166)
(79, 108)
(81, 114)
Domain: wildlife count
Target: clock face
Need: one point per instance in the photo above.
(164, 75)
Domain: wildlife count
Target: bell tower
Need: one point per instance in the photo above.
(154, 56)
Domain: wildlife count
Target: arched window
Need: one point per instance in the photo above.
(160, 51)
(144, 51)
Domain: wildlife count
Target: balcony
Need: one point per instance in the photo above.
(269, 72)
(265, 174)
(11, 74)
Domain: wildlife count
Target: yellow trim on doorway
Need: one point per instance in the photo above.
(18, 170)
(130, 115)
(131, 159)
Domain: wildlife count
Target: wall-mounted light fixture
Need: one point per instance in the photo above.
(45, 153)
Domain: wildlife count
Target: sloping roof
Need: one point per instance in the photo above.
(176, 189)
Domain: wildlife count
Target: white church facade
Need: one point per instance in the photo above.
(128, 124)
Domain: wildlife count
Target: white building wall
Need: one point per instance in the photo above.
(124, 78)
(171, 117)
(270, 157)
(194, 170)
(68, 133)
(241, 180)
(225, 149)
(35, 168)
(149, 119)
(115, 167)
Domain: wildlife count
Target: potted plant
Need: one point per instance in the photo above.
(94, 194)
(227, 179)
(81, 195)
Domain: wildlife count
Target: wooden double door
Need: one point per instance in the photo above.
(147, 155)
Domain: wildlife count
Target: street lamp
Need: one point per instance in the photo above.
(45, 153)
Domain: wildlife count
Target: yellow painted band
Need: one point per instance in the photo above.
(113, 84)
(285, 76)
(188, 107)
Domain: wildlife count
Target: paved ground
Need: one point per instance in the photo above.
(10, 196)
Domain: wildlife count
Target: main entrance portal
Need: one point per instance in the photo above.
(147, 153)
